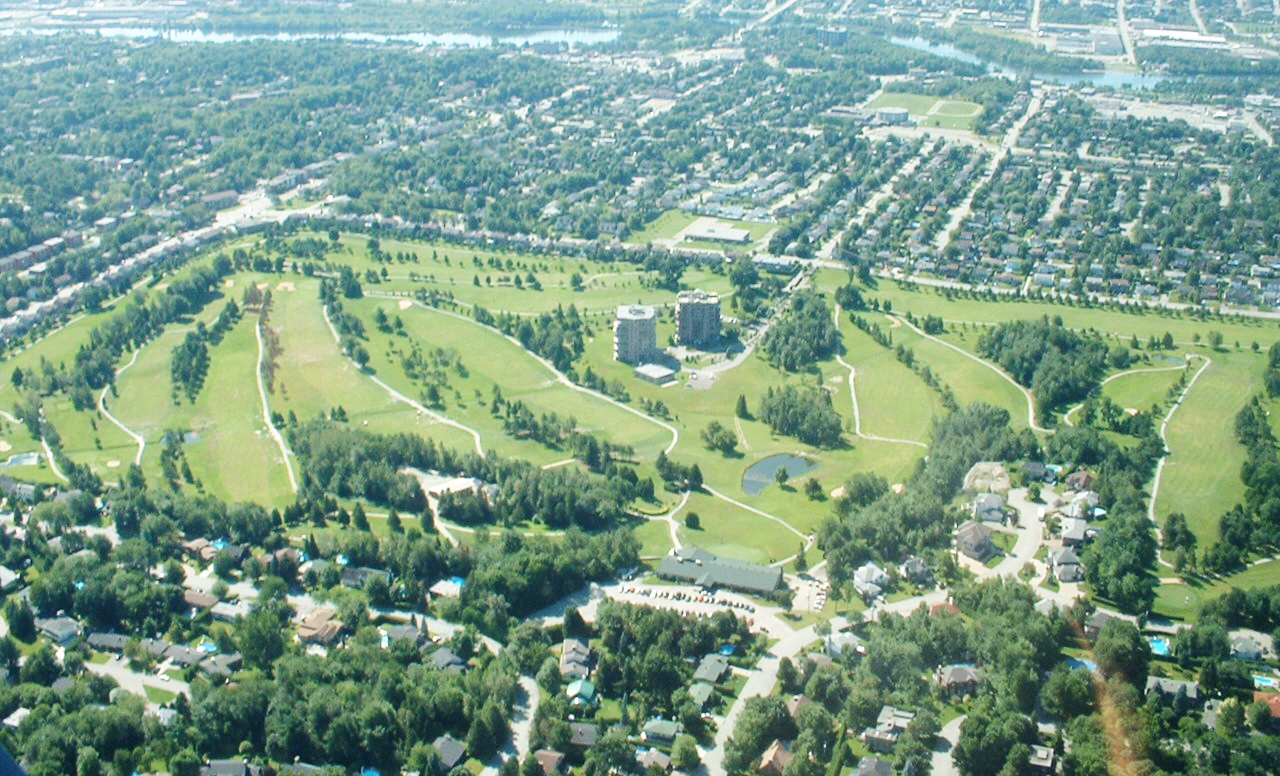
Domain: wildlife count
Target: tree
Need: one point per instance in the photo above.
(813, 490)
(802, 563)
(358, 518)
(1067, 693)
(741, 409)
(1231, 718)
(260, 639)
(781, 475)
(1120, 651)
(1215, 339)
(717, 437)
(692, 521)
(41, 667)
(185, 762)
(684, 754)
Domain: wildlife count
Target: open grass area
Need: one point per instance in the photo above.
(1182, 601)
(664, 227)
(1202, 476)
(970, 381)
(728, 530)
(1140, 390)
(916, 104)
(490, 360)
(231, 454)
(313, 376)
(893, 400)
(929, 111)
(158, 695)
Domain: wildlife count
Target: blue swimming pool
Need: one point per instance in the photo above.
(1159, 645)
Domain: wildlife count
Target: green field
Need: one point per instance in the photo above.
(664, 227)
(886, 387)
(1183, 600)
(928, 111)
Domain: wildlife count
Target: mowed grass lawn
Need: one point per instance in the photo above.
(313, 376)
(916, 104)
(893, 400)
(1202, 476)
(234, 457)
(491, 360)
(1142, 389)
(1183, 600)
(663, 227)
(970, 380)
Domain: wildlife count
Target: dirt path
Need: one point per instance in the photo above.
(1066, 417)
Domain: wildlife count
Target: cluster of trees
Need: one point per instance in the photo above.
(558, 432)
(874, 523)
(804, 335)
(557, 336)
(1059, 365)
(806, 414)
(1253, 524)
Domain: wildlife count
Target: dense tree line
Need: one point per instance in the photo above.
(803, 335)
(1057, 364)
(806, 414)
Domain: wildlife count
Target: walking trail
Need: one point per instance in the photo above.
(102, 408)
(285, 452)
(1164, 425)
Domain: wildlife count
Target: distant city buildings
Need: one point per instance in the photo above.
(635, 333)
(697, 318)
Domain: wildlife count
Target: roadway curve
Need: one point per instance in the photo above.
(102, 409)
(285, 452)
(1031, 403)
(857, 414)
(400, 397)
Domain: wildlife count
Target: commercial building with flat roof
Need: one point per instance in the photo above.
(716, 231)
(697, 318)
(635, 333)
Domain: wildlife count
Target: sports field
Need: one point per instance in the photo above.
(929, 111)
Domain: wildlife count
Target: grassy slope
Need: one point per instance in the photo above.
(893, 400)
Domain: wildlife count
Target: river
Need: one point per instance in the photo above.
(451, 39)
(1115, 80)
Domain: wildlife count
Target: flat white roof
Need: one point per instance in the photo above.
(717, 230)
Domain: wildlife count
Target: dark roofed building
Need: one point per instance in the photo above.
(974, 540)
(874, 766)
(445, 659)
(583, 734)
(106, 642)
(552, 762)
(705, 569)
(450, 750)
(1172, 688)
(712, 669)
(226, 768)
(958, 679)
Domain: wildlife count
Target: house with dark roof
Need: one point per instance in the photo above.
(227, 768)
(974, 539)
(653, 758)
(874, 766)
(197, 600)
(106, 642)
(356, 576)
(707, 570)
(61, 630)
(712, 669)
(410, 633)
(449, 750)
(1093, 626)
(917, 572)
(1173, 689)
(958, 679)
(445, 659)
(575, 659)
(583, 734)
(889, 727)
(1066, 564)
(700, 693)
(1080, 479)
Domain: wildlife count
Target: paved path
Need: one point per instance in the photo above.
(437, 417)
(53, 463)
(1066, 417)
(1031, 404)
(285, 452)
(102, 408)
(857, 414)
(948, 736)
(1164, 425)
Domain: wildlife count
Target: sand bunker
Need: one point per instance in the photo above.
(893, 322)
(898, 487)
(161, 286)
(5, 446)
(229, 282)
(405, 304)
(263, 286)
(285, 285)
(113, 464)
(838, 492)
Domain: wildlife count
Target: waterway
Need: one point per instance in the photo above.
(572, 38)
(1113, 79)
(763, 473)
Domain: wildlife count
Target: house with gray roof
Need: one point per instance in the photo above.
(450, 751)
(1174, 688)
(707, 570)
(712, 669)
(974, 540)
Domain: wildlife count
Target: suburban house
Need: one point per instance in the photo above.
(874, 766)
(700, 693)
(1066, 565)
(661, 731)
(707, 570)
(1034, 471)
(958, 679)
(227, 768)
(445, 659)
(888, 729)
(1174, 688)
(575, 659)
(450, 751)
(1246, 647)
(974, 540)
(870, 580)
(583, 734)
(775, 759)
(917, 572)
(989, 508)
(1041, 759)
(1093, 625)
(552, 762)
(1080, 480)
(581, 692)
(1272, 702)
(837, 643)
(320, 627)
(61, 630)
(653, 758)
(712, 669)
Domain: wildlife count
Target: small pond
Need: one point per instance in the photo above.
(761, 474)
